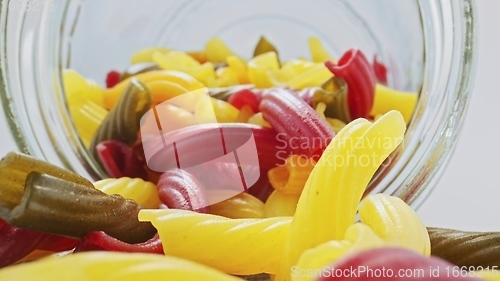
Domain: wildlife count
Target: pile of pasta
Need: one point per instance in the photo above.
(321, 128)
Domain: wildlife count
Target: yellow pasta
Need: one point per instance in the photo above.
(217, 51)
(112, 266)
(180, 61)
(316, 76)
(337, 183)
(387, 99)
(188, 82)
(239, 68)
(291, 177)
(208, 107)
(241, 206)
(395, 222)
(489, 275)
(279, 204)
(260, 69)
(257, 119)
(358, 237)
(220, 242)
(87, 118)
(318, 52)
(146, 54)
(142, 192)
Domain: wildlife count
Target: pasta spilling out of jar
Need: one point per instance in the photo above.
(221, 167)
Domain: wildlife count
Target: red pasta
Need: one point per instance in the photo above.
(100, 241)
(355, 69)
(119, 160)
(202, 143)
(16, 243)
(380, 71)
(245, 97)
(299, 127)
(113, 78)
(179, 189)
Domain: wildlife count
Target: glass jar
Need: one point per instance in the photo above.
(428, 46)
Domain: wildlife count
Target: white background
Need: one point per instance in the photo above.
(468, 195)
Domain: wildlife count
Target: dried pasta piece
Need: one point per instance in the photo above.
(220, 242)
(308, 136)
(112, 96)
(180, 61)
(142, 192)
(475, 249)
(387, 99)
(146, 55)
(58, 206)
(87, 118)
(291, 177)
(138, 68)
(258, 119)
(279, 204)
(264, 46)
(180, 189)
(358, 237)
(355, 69)
(395, 222)
(217, 51)
(100, 241)
(14, 170)
(110, 266)
(123, 121)
(120, 160)
(318, 52)
(403, 265)
(334, 189)
(241, 206)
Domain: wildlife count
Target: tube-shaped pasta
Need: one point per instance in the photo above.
(318, 52)
(387, 99)
(220, 242)
(309, 134)
(264, 46)
(142, 192)
(100, 241)
(120, 160)
(475, 249)
(334, 189)
(358, 237)
(113, 95)
(14, 170)
(180, 61)
(196, 139)
(180, 189)
(110, 266)
(57, 206)
(123, 121)
(279, 204)
(354, 67)
(395, 222)
(241, 206)
(87, 118)
(217, 51)
(291, 177)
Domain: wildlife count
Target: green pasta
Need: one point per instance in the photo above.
(123, 121)
(264, 46)
(470, 249)
(334, 94)
(54, 205)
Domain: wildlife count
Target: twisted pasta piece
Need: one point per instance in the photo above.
(241, 206)
(123, 121)
(466, 248)
(334, 189)
(389, 99)
(142, 192)
(358, 237)
(220, 242)
(279, 204)
(354, 67)
(110, 266)
(310, 134)
(291, 177)
(62, 207)
(395, 222)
